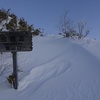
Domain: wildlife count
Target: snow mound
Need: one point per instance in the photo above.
(58, 69)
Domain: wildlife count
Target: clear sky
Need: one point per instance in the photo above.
(46, 13)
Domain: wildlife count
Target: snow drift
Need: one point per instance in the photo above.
(57, 69)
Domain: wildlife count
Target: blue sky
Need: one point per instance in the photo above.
(46, 13)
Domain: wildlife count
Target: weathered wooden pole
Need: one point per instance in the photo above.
(15, 70)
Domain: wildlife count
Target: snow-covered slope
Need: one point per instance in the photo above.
(57, 69)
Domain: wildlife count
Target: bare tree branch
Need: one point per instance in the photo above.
(65, 24)
(82, 31)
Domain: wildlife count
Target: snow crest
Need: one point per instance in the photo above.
(41, 74)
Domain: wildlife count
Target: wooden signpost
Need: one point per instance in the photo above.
(15, 42)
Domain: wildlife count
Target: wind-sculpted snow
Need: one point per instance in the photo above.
(43, 73)
(57, 69)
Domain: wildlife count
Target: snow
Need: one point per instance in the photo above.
(57, 69)
(2, 24)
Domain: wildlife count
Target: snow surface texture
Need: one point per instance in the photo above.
(57, 69)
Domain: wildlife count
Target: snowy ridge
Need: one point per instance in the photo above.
(57, 69)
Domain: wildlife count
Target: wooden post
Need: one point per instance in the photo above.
(15, 70)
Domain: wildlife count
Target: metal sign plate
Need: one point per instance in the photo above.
(15, 41)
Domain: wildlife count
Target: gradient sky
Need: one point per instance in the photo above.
(46, 13)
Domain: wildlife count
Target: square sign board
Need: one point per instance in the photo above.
(15, 41)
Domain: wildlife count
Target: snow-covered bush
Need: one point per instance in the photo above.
(10, 22)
